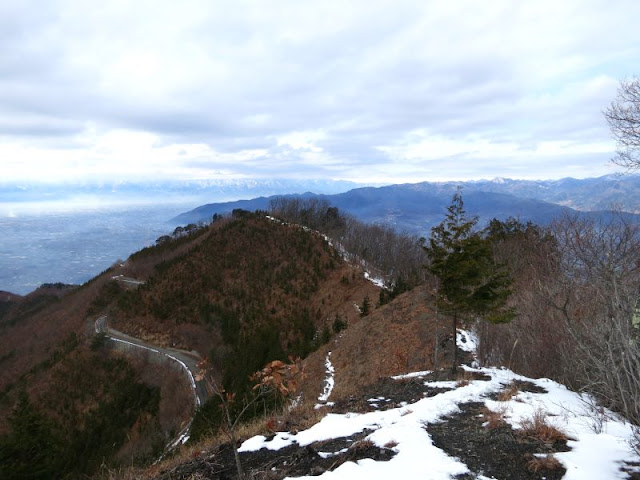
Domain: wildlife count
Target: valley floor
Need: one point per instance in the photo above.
(489, 423)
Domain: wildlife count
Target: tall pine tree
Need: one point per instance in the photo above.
(470, 281)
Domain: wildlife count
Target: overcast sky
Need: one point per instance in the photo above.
(368, 91)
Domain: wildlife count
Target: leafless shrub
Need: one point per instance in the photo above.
(494, 418)
(598, 303)
(532, 344)
(576, 289)
(596, 413)
(635, 440)
(539, 429)
(547, 462)
(509, 392)
(277, 376)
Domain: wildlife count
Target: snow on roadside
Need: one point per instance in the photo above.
(593, 455)
(329, 382)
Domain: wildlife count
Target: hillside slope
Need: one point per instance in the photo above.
(487, 423)
(244, 291)
(251, 291)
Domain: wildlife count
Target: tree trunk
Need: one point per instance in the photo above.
(236, 456)
(232, 436)
(454, 362)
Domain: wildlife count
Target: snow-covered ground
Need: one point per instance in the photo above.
(600, 443)
(378, 282)
(329, 382)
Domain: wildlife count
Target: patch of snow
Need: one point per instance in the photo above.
(467, 340)
(442, 384)
(379, 282)
(593, 455)
(329, 381)
(423, 373)
(332, 454)
(328, 240)
(295, 402)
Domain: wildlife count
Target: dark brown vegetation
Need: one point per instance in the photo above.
(243, 291)
(395, 257)
(248, 290)
(80, 417)
(251, 290)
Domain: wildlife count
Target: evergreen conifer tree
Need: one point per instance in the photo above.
(366, 306)
(33, 448)
(470, 281)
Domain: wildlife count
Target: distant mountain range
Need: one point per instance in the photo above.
(169, 191)
(418, 207)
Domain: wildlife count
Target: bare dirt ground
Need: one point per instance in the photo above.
(497, 452)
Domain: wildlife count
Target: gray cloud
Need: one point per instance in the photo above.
(409, 89)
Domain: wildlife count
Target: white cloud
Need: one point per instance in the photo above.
(364, 90)
(302, 140)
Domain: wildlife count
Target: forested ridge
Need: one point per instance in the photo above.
(242, 291)
(253, 287)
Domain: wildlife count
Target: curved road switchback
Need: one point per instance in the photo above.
(128, 281)
(187, 360)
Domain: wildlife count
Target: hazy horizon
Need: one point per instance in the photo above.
(39, 197)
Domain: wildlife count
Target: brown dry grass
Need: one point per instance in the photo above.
(119, 474)
(538, 428)
(394, 339)
(303, 417)
(508, 392)
(463, 378)
(186, 453)
(494, 418)
(548, 462)
(361, 445)
(293, 420)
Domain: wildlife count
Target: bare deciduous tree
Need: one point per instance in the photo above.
(577, 291)
(601, 263)
(276, 377)
(623, 116)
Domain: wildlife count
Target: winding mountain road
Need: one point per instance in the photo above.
(186, 360)
(128, 281)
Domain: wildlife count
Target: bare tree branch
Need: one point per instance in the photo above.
(623, 116)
